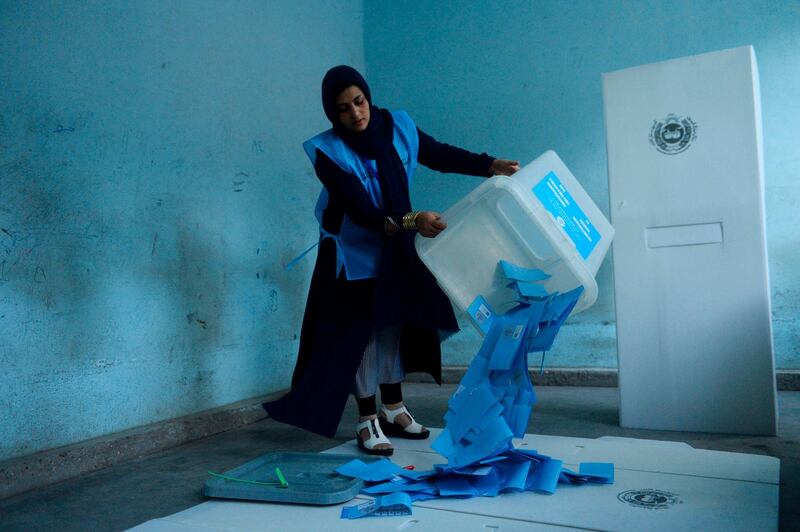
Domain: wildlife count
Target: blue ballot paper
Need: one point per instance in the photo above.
(481, 313)
(491, 406)
(393, 504)
(518, 273)
(512, 334)
(381, 469)
(601, 472)
(530, 290)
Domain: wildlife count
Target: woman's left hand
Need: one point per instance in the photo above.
(429, 223)
(504, 167)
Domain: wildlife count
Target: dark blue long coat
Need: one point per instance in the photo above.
(340, 315)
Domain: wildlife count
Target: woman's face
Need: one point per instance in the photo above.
(353, 109)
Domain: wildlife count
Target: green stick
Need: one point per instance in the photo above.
(284, 484)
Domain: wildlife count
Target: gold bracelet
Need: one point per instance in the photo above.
(410, 220)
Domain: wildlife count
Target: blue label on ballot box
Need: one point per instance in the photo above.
(567, 214)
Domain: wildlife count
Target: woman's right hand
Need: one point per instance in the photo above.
(429, 223)
(504, 167)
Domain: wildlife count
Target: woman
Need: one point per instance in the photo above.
(374, 312)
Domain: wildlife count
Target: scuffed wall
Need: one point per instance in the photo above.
(152, 188)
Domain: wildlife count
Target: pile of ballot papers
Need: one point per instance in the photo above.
(490, 407)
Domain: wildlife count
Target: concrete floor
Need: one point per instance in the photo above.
(132, 492)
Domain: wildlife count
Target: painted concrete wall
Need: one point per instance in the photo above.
(516, 78)
(152, 186)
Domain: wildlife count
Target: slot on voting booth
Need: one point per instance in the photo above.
(684, 235)
(541, 218)
(686, 189)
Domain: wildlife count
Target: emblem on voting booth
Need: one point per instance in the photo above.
(673, 135)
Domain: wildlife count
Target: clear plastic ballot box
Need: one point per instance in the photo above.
(539, 218)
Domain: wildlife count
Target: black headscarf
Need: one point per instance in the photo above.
(375, 142)
(377, 137)
(405, 291)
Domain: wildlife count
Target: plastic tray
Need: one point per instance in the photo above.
(312, 479)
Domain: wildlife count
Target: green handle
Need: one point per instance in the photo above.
(284, 484)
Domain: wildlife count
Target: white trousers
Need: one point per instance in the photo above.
(381, 364)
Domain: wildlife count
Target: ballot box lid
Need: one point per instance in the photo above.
(310, 478)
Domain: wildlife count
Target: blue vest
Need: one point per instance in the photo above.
(358, 249)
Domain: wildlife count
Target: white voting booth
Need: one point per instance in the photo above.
(686, 187)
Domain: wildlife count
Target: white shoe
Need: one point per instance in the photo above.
(414, 431)
(376, 437)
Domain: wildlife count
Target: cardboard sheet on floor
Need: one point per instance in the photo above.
(233, 516)
(657, 486)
